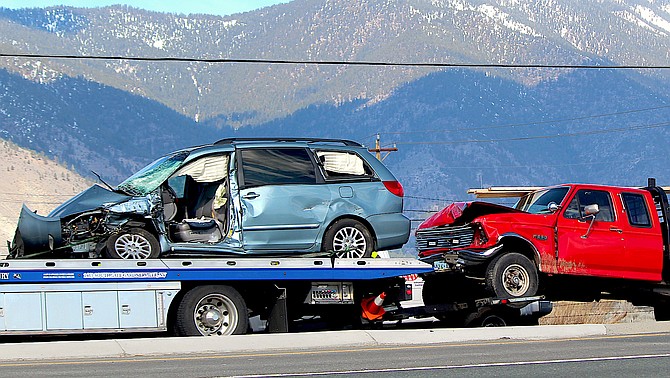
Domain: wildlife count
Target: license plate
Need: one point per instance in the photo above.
(440, 265)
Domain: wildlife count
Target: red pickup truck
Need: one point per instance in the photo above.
(570, 230)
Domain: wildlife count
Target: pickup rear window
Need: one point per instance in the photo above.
(636, 208)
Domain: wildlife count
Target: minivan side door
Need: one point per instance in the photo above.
(283, 200)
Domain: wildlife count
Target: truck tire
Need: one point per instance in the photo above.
(348, 238)
(133, 244)
(212, 310)
(512, 275)
(485, 317)
(662, 311)
(444, 289)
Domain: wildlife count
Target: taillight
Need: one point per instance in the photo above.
(394, 187)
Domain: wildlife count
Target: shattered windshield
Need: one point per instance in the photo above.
(538, 202)
(153, 175)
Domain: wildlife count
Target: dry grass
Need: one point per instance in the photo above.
(30, 178)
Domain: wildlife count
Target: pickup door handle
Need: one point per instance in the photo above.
(616, 229)
(251, 195)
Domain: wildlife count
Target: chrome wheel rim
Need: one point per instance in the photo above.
(515, 280)
(132, 246)
(215, 315)
(349, 242)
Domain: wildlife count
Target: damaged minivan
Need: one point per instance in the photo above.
(235, 196)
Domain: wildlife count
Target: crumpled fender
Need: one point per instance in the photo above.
(460, 213)
(36, 231)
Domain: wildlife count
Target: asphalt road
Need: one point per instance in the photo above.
(637, 355)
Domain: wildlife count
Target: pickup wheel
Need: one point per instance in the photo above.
(133, 244)
(214, 310)
(348, 238)
(512, 275)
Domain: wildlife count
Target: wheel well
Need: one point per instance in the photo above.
(522, 246)
(356, 218)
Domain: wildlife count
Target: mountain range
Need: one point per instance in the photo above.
(455, 127)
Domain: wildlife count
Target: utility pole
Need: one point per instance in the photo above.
(378, 150)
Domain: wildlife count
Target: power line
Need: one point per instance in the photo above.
(592, 132)
(36, 195)
(529, 123)
(333, 62)
(557, 165)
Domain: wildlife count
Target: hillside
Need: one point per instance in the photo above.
(30, 178)
(468, 31)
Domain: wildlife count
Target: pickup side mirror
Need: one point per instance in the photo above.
(590, 211)
(553, 207)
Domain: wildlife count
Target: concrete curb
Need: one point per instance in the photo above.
(267, 343)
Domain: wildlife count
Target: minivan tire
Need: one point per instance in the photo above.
(348, 238)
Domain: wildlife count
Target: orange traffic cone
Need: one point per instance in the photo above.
(372, 307)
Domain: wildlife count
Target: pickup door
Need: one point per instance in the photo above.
(624, 241)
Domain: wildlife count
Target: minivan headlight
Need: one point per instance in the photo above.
(137, 206)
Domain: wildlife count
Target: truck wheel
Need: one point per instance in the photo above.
(440, 290)
(512, 275)
(214, 310)
(348, 238)
(662, 311)
(485, 317)
(132, 244)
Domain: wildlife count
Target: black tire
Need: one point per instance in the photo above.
(213, 310)
(485, 317)
(348, 238)
(445, 289)
(512, 275)
(662, 311)
(133, 244)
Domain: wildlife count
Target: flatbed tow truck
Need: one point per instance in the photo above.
(217, 296)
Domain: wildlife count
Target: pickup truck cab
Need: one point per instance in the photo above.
(570, 230)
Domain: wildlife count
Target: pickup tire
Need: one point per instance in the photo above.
(512, 275)
(212, 310)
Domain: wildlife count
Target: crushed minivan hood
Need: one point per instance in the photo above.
(459, 213)
(90, 199)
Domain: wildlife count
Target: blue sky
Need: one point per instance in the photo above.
(217, 7)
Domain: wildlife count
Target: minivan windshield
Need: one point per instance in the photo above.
(538, 202)
(153, 175)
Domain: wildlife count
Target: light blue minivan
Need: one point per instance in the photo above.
(235, 196)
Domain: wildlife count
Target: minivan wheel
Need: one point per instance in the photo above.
(348, 238)
(132, 244)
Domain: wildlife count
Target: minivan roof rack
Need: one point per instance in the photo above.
(345, 142)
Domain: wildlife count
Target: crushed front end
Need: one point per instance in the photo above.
(457, 237)
(79, 226)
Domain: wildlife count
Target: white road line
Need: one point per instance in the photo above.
(467, 366)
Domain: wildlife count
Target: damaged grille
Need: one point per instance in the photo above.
(446, 237)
